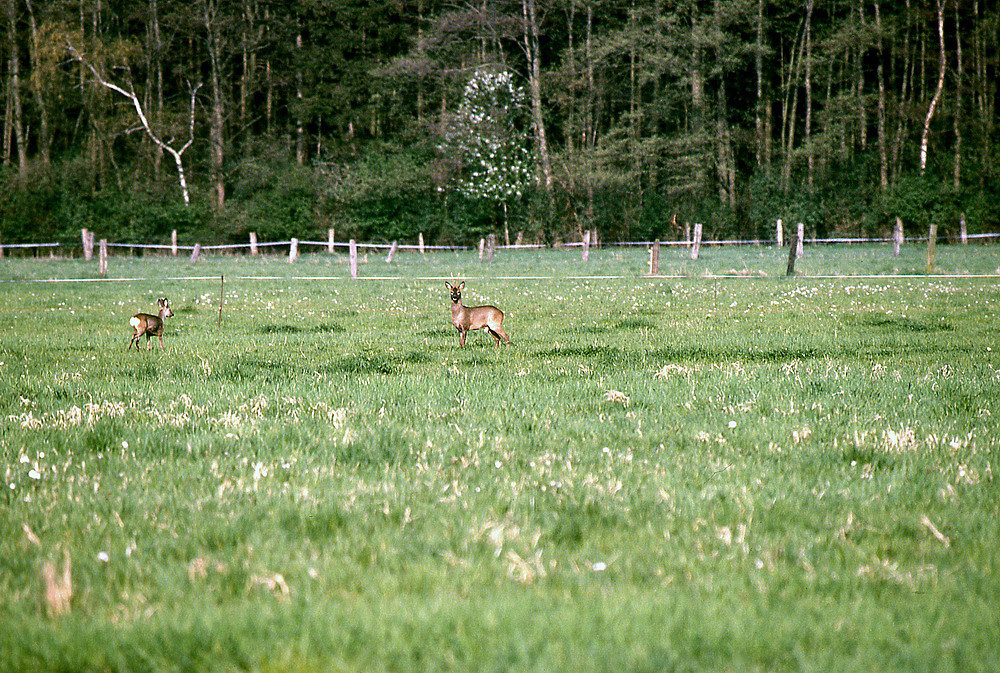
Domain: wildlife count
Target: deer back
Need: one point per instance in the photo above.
(475, 317)
(145, 323)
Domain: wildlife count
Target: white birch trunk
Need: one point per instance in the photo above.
(925, 136)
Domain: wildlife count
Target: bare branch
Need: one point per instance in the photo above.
(131, 95)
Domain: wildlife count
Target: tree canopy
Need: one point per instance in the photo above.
(632, 116)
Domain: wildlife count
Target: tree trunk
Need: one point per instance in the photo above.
(8, 124)
(905, 76)
(759, 70)
(533, 53)
(883, 157)
(157, 41)
(44, 132)
(699, 112)
(788, 114)
(216, 150)
(300, 133)
(590, 117)
(925, 137)
(810, 154)
(956, 176)
(17, 113)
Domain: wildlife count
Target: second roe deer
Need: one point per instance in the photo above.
(149, 325)
(466, 318)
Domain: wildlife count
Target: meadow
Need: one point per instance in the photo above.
(718, 469)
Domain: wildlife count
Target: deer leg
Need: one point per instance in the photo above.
(461, 337)
(497, 332)
(161, 340)
(495, 336)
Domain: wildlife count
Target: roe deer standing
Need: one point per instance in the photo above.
(149, 325)
(466, 318)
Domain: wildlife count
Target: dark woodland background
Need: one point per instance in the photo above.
(640, 115)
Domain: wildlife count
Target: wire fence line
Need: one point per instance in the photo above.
(518, 246)
(407, 279)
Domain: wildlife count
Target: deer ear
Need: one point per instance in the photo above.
(461, 286)
(447, 285)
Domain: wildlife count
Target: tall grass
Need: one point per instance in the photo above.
(739, 473)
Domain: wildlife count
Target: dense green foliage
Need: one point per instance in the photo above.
(317, 113)
(740, 473)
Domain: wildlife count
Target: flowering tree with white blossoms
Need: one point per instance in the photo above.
(489, 137)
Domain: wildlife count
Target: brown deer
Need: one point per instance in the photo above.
(466, 318)
(149, 325)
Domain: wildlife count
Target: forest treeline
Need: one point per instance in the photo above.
(461, 118)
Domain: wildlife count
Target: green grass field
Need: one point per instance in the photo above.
(726, 470)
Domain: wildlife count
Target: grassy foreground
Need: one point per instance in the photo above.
(748, 473)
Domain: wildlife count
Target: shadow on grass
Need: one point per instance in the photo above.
(321, 328)
(901, 323)
(615, 356)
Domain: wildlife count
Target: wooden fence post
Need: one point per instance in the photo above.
(173, 242)
(654, 258)
(800, 236)
(293, 250)
(793, 245)
(963, 233)
(329, 240)
(520, 238)
(897, 236)
(696, 244)
(779, 233)
(586, 244)
(102, 260)
(491, 246)
(931, 244)
(353, 246)
(195, 253)
(482, 244)
(88, 244)
(420, 242)
(687, 232)
(392, 252)
(253, 243)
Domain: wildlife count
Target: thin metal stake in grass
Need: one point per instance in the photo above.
(222, 293)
